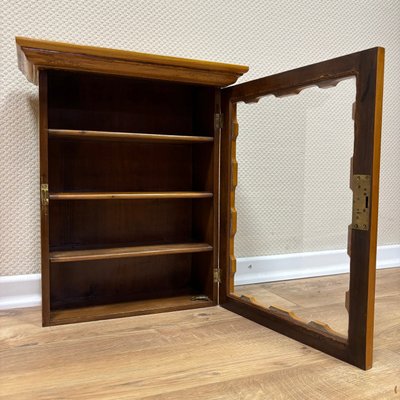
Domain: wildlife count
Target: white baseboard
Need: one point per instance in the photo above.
(24, 290)
(17, 291)
(305, 265)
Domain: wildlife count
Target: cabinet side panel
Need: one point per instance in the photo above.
(44, 207)
(226, 187)
(205, 175)
(217, 169)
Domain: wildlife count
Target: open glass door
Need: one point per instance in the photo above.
(355, 344)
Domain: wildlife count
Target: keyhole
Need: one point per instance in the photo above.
(366, 201)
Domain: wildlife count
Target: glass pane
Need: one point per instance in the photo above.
(294, 203)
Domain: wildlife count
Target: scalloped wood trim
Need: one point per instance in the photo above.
(233, 211)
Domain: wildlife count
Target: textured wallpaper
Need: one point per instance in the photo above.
(294, 155)
(286, 147)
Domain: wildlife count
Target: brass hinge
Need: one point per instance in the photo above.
(44, 194)
(361, 185)
(217, 275)
(218, 120)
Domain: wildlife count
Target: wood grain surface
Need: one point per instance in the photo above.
(311, 299)
(114, 139)
(127, 195)
(127, 252)
(116, 310)
(367, 66)
(34, 54)
(203, 354)
(144, 137)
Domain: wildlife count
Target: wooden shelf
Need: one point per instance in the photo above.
(127, 252)
(127, 195)
(117, 310)
(140, 137)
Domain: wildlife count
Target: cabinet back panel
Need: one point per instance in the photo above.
(86, 101)
(108, 281)
(203, 220)
(79, 165)
(91, 223)
(203, 167)
(202, 273)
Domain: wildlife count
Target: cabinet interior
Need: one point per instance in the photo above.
(150, 195)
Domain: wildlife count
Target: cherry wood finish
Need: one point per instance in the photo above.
(93, 102)
(144, 137)
(151, 149)
(146, 134)
(34, 54)
(44, 180)
(127, 309)
(128, 195)
(367, 67)
(127, 252)
(86, 166)
(80, 284)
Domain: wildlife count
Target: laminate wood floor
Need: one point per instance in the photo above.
(201, 354)
(317, 299)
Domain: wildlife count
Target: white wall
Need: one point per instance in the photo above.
(294, 154)
(269, 36)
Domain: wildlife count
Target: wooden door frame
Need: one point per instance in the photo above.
(367, 67)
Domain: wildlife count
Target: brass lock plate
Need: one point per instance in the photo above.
(361, 185)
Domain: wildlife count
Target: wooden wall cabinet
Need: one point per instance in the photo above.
(138, 175)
